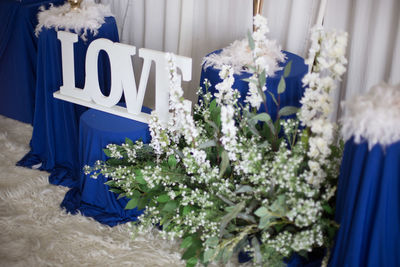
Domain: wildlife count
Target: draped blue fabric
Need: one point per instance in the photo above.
(54, 142)
(18, 50)
(291, 97)
(368, 207)
(92, 197)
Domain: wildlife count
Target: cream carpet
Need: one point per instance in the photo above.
(35, 231)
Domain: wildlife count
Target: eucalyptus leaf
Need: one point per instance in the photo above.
(249, 80)
(287, 111)
(262, 78)
(212, 241)
(262, 117)
(209, 254)
(257, 250)
(244, 189)
(273, 98)
(281, 86)
(265, 221)
(261, 212)
(209, 143)
(231, 215)
(287, 69)
(251, 40)
(224, 163)
(226, 255)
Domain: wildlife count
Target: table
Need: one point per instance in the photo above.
(91, 196)
(294, 88)
(18, 51)
(54, 143)
(368, 206)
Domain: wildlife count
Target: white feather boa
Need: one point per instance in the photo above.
(374, 117)
(87, 19)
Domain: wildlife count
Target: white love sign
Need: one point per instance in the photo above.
(122, 78)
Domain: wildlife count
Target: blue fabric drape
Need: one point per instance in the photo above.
(92, 197)
(368, 207)
(291, 97)
(18, 51)
(54, 142)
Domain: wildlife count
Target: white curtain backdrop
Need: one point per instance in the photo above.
(195, 28)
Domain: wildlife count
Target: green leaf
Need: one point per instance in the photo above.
(257, 250)
(139, 178)
(224, 163)
(116, 190)
(262, 78)
(281, 86)
(187, 242)
(163, 198)
(212, 241)
(133, 203)
(231, 215)
(265, 221)
(107, 152)
(328, 209)
(261, 212)
(172, 161)
(287, 111)
(187, 210)
(191, 262)
(250, 80)
(192, 250)
(251, 40)
(142, 203)
(226, 255)
(208, 255)
(262, 117)
(273, 98)
(288, 68)
(209, 143)
(244, 189)
(170, 206)
(128, 141)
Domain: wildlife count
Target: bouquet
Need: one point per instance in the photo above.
(226, 178)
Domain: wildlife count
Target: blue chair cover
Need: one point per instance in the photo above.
(294, 88)
(92, 197)
(368, 207)
(54, 142)
(18, 51)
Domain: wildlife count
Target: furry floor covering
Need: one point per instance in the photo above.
(34, 231)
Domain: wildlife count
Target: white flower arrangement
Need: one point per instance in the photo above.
(227, 179)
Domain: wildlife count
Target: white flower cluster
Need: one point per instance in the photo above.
(327, 62)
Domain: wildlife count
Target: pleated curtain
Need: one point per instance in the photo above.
(195, 28)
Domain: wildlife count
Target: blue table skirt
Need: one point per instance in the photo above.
(92, 197)
(18, 51)
(368, 207)
(54, 142)
(294, 88)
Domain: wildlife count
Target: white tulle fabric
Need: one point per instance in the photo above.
(374, 117)
(87, 19)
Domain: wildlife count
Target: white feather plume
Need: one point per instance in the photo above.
(374, 117)
(88, 18)
(238, 55)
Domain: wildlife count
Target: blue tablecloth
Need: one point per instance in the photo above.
(92, 197)
(54, 142)
(368, 207)
(294, 88)
(18, 51)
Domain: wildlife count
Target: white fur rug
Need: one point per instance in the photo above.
(34, 231)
